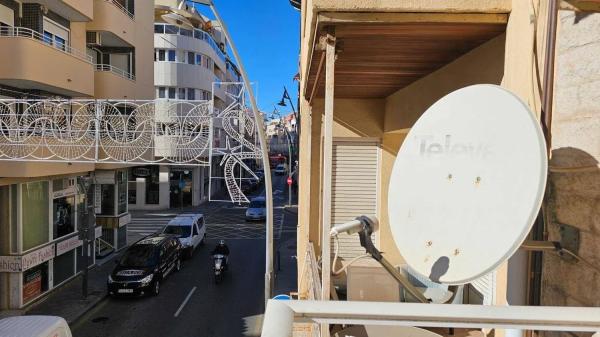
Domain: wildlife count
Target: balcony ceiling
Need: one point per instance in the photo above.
(379, 54)
(61, 8)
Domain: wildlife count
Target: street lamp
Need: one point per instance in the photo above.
(83, 186)
(265, 154)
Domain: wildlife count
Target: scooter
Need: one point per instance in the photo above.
(220, 266)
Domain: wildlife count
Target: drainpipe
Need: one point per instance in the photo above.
(549, 59)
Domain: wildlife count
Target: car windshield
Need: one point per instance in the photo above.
(140, 256)
(179, 231)
(280, 167)
(257, 204)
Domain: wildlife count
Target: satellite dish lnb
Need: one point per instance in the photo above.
(467, 184)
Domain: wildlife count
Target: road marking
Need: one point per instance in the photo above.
(184, 302)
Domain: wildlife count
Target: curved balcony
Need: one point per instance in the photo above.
(112, 82)
(33, 62)
(184, 75)
(197, 40)
(113, 18)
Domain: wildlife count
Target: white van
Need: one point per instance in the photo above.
(34, 326)
(190, 229)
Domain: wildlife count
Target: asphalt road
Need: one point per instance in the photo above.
(231, 308)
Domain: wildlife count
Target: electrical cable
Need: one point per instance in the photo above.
(335, 257)
(580, 259)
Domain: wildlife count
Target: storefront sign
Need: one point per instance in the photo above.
(67, 245)
(124, 220)
(37, 257)
(32, 286)
(10, 264)
(97, 232)
(141, 172)
(105, 177)
(97, 199)
(71, 190)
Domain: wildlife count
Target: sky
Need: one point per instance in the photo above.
(266, 34)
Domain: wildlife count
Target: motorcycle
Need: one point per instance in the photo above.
(220, 266)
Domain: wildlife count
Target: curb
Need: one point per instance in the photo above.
(87, 309)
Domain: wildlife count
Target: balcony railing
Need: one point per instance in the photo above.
(115, 70)
(123, 9)
(27, 33)
(161, 28)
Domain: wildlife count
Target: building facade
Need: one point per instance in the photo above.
(190, 62)
(388, 61)
(80, 49)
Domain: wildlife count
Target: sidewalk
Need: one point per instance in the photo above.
(286, 271)
(67, 301)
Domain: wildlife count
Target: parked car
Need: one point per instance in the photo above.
(145, 265)
(249, 185)
(280, 169)
(257, 209)
(34, 326)
(189, 228)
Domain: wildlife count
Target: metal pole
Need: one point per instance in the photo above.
(265, 159)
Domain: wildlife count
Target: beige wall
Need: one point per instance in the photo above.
(574, 195)
(26, 60)
(108, 17)
(85, 7)
(144, 49)
(113, 86)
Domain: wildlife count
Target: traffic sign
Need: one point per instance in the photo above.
(289, 180)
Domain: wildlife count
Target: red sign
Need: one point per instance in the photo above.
(289, 180)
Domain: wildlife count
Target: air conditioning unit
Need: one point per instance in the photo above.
(93, 38)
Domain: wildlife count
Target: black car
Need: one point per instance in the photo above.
(145, 265)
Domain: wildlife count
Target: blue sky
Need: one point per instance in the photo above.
(266, 33)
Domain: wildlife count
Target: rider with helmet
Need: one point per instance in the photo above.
(222, 249)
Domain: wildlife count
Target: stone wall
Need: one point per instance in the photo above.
(574, 184)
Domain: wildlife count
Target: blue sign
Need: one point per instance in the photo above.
(282, 297)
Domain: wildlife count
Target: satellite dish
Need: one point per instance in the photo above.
(467, 184)
(177, 19)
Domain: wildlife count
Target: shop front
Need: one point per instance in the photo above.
(39, 235)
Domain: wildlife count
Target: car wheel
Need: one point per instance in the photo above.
(178, 265)
(156, 288)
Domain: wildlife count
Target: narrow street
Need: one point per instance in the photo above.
(190, 303)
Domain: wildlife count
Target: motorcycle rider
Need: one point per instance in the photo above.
(222, 249)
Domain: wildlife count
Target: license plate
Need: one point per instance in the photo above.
(125, 291)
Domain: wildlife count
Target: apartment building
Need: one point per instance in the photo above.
(389, 61)
(83, 49)
(190, 63)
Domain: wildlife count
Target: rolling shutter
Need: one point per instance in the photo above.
(354, 189)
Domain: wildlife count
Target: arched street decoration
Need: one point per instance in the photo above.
(238, 146)
(159, 131)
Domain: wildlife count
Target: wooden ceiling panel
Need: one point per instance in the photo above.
(375, 60)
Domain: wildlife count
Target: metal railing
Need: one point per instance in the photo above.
(123, 9)
(114, 70)
(280, 316)
(27, 33)
(161, 28)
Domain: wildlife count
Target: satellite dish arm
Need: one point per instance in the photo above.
(367, 244)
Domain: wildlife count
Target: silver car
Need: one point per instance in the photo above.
(256, 210)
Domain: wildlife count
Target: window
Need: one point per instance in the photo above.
(63, 210)
(108, 199)
(36, 221)
(161, 54)
(181, 93)
(170, 29)
(171, 55)
(48, 38)
(161, 92)
(171, 92)
(152, 179)
(190, 58)
(60, 43)
(198, 59)
(185, 32)
(195, 232)
(191, 94)
(159, 29)
(122, 192)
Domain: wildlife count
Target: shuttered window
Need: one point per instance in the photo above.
(354, 189)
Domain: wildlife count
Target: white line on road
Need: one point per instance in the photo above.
(184, 302)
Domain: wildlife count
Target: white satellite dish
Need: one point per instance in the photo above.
(467, 184)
